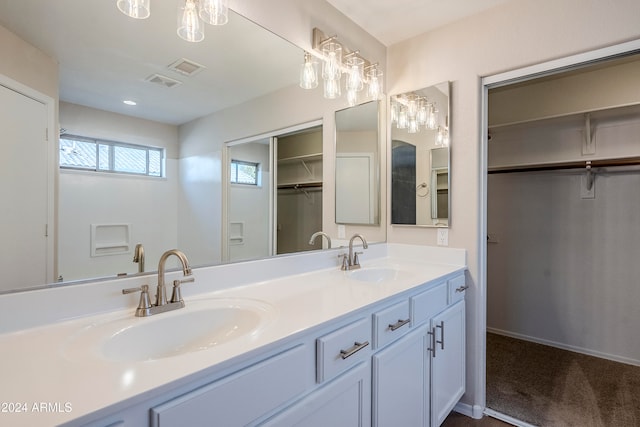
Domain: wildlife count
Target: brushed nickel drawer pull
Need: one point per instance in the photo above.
(399, 324)
(356, 347)
(441, 342)
(462, 288)
(433, 347)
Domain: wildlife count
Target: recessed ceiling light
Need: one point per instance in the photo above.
(130, 102)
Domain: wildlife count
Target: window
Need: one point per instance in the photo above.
(108, 156)
(244, 172)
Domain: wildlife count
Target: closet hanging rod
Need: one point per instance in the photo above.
(627, 161)
(301, 185)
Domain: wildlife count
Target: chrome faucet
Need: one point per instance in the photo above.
(351, 261)
(312, 240)
(145, 308)
(138, 257)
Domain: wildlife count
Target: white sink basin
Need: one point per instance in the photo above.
(374, 274)
(201, 325)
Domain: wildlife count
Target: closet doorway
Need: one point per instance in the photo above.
(563, 237)
(273, 193)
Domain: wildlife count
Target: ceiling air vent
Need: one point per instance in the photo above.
(186, 67)
(163, 80)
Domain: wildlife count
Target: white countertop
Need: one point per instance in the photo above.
(37, 369)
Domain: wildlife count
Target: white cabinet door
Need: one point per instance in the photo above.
(401, 382)
(448, 364)
(343, 402)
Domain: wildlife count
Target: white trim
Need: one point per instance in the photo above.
(567, 347)
(277, 132)
(497, 80)
(506, 418)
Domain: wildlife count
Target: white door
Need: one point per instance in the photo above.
(354, 188)
(23, 191)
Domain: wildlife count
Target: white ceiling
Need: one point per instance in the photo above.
(104, 56)
(391, 21)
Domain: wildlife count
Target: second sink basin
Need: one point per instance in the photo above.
(374, 274)
(201, 325)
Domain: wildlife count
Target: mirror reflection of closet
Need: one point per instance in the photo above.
(274, 193)
(299, 201)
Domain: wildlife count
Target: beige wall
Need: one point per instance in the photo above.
(511, 36)
(28, 65)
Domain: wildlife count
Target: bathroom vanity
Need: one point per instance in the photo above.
(316, 346)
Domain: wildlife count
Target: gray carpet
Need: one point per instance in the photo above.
(546, 386)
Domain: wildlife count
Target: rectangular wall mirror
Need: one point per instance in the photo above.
(358, 165)
(420, 160)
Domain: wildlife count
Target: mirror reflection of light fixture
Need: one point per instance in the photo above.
(189, 27)
(337, 60)
(214, 12)
(138, 9)
(309, 72)
(411, 112)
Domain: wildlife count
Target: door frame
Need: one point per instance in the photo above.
(498, 80)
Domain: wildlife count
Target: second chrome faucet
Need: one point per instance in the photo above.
(350, 261)
(145, 308)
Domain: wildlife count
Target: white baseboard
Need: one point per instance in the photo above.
(506, 418)
(468, 410)
(588, 352)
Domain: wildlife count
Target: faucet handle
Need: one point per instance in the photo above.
(176, 295)
(356, 261)
(345, 261)
(144, 303)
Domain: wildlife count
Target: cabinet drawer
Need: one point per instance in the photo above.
(390, 323)
(457, 287)
(263, 386)
(429, 303)
(343, 348)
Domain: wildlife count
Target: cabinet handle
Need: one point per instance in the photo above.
(462, 288)
(399, 324)
(441, 342)
(357, 346)
(433, 347)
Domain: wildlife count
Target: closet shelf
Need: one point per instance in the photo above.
(581, 164)
(304, 157)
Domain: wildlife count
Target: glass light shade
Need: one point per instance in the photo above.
(332, 52)
(413, 126)
(309, 72)
(374, 89)
(403, 121)
(189, 26)
(412, 107)
(355, 73)
(442, 137)
(422, 112)
(214, 12)
(432, 117)
(332, 88)
(352, 97)
(138, 9)
(395, 110)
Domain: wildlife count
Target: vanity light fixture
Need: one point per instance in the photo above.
(137, 9)
(337, 59)
(413, 112)
(190, 15)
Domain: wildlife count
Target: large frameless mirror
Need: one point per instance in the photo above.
(420, 175)
(358, 165)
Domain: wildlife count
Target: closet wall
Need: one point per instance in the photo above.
(563, 262)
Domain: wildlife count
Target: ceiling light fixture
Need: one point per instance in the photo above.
(129, 102)
(337, 59)
(138, 9)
